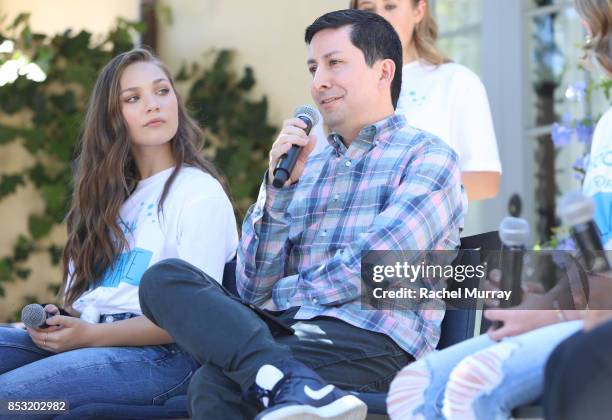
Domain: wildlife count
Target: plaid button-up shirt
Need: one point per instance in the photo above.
(394, 188)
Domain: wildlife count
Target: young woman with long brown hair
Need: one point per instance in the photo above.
(142, 194)
(441, 97)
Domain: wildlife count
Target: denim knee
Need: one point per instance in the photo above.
(17, 349)
(410, 393)
(470, 391)
(156, 280)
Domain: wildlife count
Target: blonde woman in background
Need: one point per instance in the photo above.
(441, 97)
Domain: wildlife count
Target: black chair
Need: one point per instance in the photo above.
(458, 325)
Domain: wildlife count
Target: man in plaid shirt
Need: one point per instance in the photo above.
(380, 185)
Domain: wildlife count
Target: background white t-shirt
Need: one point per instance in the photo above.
(450, 101)
(598, 179)
(197, 225)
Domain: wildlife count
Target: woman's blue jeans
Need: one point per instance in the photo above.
(477, 378)
(146, 375)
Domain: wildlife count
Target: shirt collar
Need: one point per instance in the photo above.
(371, 135)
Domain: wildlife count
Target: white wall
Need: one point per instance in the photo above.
(267, 35)
(52, 16)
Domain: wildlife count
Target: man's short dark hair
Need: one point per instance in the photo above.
(372, 34)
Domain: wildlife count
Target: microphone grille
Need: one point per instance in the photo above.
(514, 231)
(576, 208)
(309, 112)
(33, 315)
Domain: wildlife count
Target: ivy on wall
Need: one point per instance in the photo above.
(48, 79)
(237, 137)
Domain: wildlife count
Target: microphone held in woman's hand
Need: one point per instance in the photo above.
(35, 316)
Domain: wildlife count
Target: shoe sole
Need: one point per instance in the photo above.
(348, 407)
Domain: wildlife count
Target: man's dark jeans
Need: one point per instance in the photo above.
(231, 342)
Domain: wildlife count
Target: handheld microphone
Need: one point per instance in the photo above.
(286, 163)
(576, 210)
(35, 316)
(514, 234)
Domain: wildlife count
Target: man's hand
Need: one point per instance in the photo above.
(291, 133)
(64, 333)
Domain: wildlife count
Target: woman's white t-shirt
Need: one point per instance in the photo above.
(197, 225)
(450, 101)
(598, 179)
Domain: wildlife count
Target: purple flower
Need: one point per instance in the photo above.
(584, 130)
(567, 244)
(561, 135)
(576, 91)
(567, 119)
(585, 162)
(580, 167)
(578, 163)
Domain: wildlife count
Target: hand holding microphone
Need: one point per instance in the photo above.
(577, 210)
(65, 333)
(292, 147)
(35, 315)
(514, 235)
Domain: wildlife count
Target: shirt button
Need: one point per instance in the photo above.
(315, 300)
(336, 197)
(347, 163)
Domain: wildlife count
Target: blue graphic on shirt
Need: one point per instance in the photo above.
(414, 97)
(129, 268)
(127, 227)
(598, 182)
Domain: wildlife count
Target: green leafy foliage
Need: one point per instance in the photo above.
(68, 64)
(235, 127)
(9, 183)
(237, 136)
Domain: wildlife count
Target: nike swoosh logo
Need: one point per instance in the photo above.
(317, 395)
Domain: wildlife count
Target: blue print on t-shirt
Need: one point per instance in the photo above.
(603, 215)
(127, 228)
(129, 268)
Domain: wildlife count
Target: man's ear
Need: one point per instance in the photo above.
(387, 72)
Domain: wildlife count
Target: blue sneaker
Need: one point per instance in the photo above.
(290, 390)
